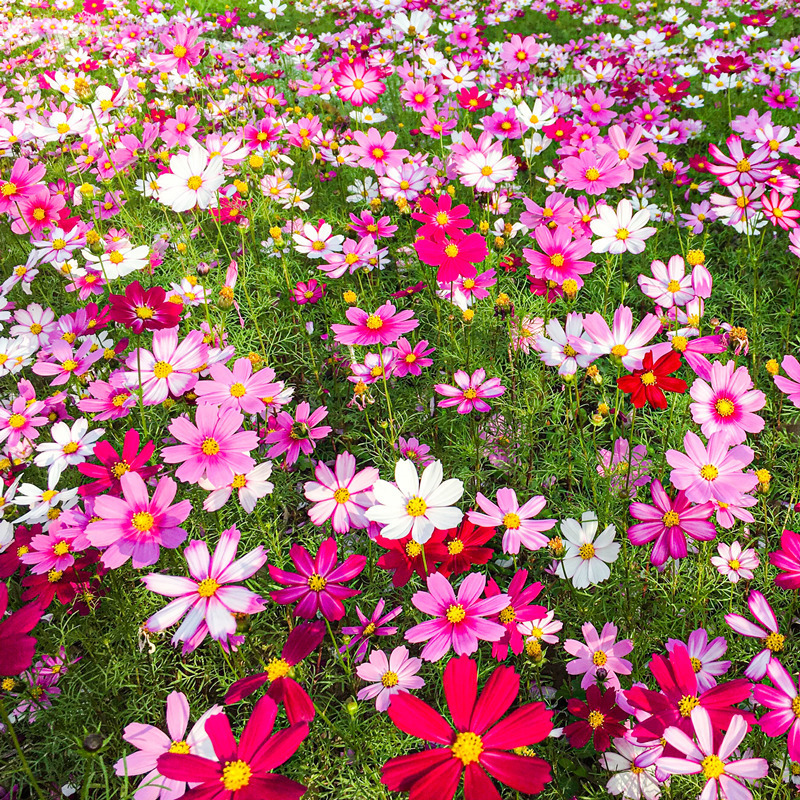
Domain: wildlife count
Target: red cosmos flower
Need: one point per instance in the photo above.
(600, 719)
(230, 209)
(455, 256)
(518, 610)
(671, 92)
(648, 384)
(473, 99)
(464, 549)
(672, 706)
(730, 65)
(404, 556)
(16, 648)
(143, 309)
(317, 584)
(112, 467)
(63, 585)
(478, 744)
(244, 770)
(302, 641)
(440, 218)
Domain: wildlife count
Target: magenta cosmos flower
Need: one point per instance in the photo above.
(561, 256)
(214, 448)
(16, 647)
(242, 771)
(151, 742)
(520, 527)
(470, 391)
(769, 634)
(388, 676)
(358, 83)
(713, 471)
(460, 621)
(297, 434)
(341, 495)
(727, 404)
(783, 700)
(211, 605)
(475, 744)
(134, 525)
(317, 585)
(668, 522)
(384, 326)
(787, 560)
(599, 652)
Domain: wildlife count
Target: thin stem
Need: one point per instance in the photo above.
(18, 748)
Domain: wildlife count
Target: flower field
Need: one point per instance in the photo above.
(399, 398)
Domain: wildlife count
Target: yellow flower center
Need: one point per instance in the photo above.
(456, 614)
(455, 547)
(61, 549)
(179, 51)
(341, 495)
(54, 576)
(16, 421)
(236, 775)
(708, 472)
(317, 583)
(69, 365)
(712, 767)
(467, 747)
(48, 495)
(8, 189)
(69, 448)
(120, 468)
(724, 407)
(623, 234)
(697, 664)
(557, 260)
(486, 171)
(180, 746)
(734, 564)
(36, 328)
(116, 257)
(39, 214)
(586, 551)
(570, 351)
(143, 521)
(507, 615)
(671, 519)
(511, 520)
(673, 286)
(207, 587)
(619, 350)
(413, 549)
(195, 182)
(743, 166)
(596, 719)
(774, 642)
(679, 343)
(687, 704)
(649, 379)
(599, 658)
(239, 481)
(416, 507)
(143, 312)
(161, 369)
(277, 668)
(377, 152)
(374, 322)
(390, 679)
(796, 706)
(470, 394)
(358, 83)
(451, 251)
(210, 447)
(592, 174)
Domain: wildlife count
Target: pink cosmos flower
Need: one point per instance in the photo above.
(727, 406)
(357, 83)
(151, 742)
(420, 95)
(211, 605)
(790, 386)
(778, 210)
(704, 656)
(670, 285)
(374, 625)
(65, 362)
(626, 471)
(375, 151)
(561, 256)
(411, 360)
(135, 525)
(214, 447)
(388, 676)
(183, 49)
(746, 170)
(519, 610)
(455, 255)
(107, 401)
(297, 434)
(782, 700)
(723, 776)
(712, 471)
(734, 563)
(239, 389)
(250, 488)
(566, 347)
(520, 527)
(470, 391)
(21, 421)
(593, 173)
(619, 340)
(768, 634)
(384, 326)
(460, 621)
(693, 350)
(440, 218)
(170, 369)
(519, 54)
(341, 495)
(317, 585)
(668, 522)
(22, 183)
(599, 652)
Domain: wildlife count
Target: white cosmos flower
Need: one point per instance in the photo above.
(587, 554)
(70, 446)
(118, 263)
(620, 230)
(193, 180)
(414, 504)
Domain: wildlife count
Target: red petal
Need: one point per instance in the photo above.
(416, 718)
(461, 689)
(526, 774)
(496, 698)
(525, 726)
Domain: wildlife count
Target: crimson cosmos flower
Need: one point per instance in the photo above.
(476, 746)
(317, 584)
(112, 466)
(600, 719)
(672, 706)
(16, 647)
(464, 548)
(143, 309)
(244, 771)
(302, 641)
(404, 556)
(648, 384)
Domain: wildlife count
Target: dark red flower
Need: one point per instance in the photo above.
(112, 466)
(409, 290)
(600, 719)
(648, 384)
(404, 557)
(144, 309)
(671, 92)
(464, 548)
(16, 647)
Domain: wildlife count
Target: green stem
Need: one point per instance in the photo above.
(25, 766)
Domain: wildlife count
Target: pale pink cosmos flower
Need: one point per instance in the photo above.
(621, 230)
(460, 621)
(620, 339)
(724, 778)
(250, 487)
(541, 629)
(727, 404)
(705, 657)
(53, 550)
(486, 166)
(376, 152)
(566, 347)
(151, 742)
(317, 242)
(341, 495)
(713, 471)
(210, 606)
(735, 563)
(135, 525)
(21, 421)
(239, 389)
(388, 676)
(298, 434)
(670, 285)
(520, 527)
(599, 652)
(470, 392)
(64, 361)
(767, 632)
(790, 386)
(214, 447)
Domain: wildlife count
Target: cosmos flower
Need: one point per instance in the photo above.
(587, 554)
(600, 654)
(388, 676)
(520, 527)
(470, 391)
(383, 327)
